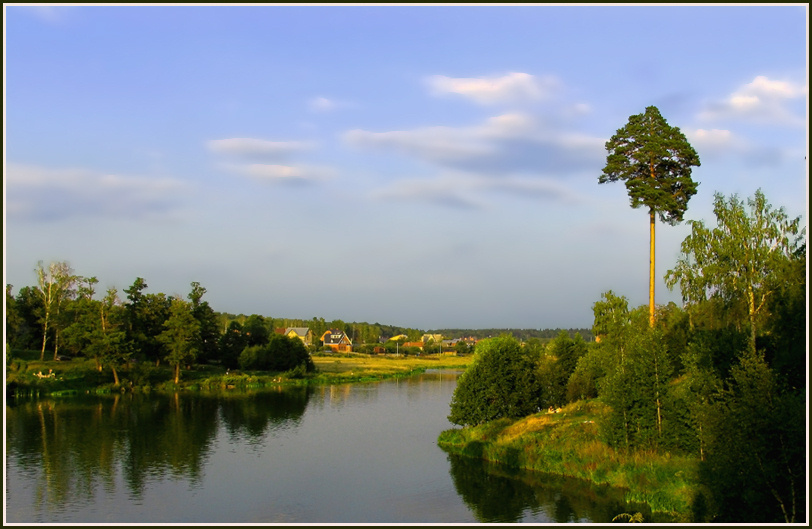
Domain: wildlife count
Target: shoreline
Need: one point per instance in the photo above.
(569, 444)
(80, 376)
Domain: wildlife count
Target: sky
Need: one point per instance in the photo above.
(424, 166)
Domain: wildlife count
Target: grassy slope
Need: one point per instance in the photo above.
(568, 443)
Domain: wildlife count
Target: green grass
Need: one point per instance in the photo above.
(80, 375)
(568, 443)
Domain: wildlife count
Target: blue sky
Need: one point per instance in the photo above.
(423, 166)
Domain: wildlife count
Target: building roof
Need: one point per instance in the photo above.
(335, 337)
(300, 331)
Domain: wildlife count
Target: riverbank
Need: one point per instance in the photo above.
(567, 444)
(58, 378)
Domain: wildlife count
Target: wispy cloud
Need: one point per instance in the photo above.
(508, 143)
(282, 173)
(46, 194)
(322, 104)
(469, 191)
(455, 191)
(763, 100)
(47, 13)
(511, 88)
(718, 143)
(268, 161)
(256, 148)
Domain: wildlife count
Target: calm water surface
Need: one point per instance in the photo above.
(363, 453)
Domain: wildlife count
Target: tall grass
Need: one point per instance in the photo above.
(569, 444)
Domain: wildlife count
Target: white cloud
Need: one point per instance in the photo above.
(256, 148)
(40, 193)
(762, 100)
(321, 104)
(282, 173)
(511, 88)
(716, 143)
(713, 139)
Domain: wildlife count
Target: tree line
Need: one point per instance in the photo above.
(520, 334)
(63, 315)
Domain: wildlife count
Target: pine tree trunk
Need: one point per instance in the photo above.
(651, 269)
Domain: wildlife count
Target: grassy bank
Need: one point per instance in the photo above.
(568, 444)
(26, 374)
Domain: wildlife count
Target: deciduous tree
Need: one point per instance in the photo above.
(180, 335)
(501, 382)
(55, 285)
(737, 260)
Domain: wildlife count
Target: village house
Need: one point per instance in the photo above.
(302, 333)
(337, 341)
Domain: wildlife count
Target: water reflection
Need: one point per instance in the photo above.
(360, 453)
(75, 446)
(496, 494)
(254, 414)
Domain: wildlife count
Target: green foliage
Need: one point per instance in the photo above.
(654, 159)
(737, 261)
(755, 438)
(501, 382)
(145, 317)
(181, 335)
(231, 344)
(209, 334)
(281, 353)
(256, 330)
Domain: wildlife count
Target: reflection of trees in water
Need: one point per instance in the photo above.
(168, 435)
(495, 493)
(68, 444)
(252, 414)
(76, 446)
(490, 497)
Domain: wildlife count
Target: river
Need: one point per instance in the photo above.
(360, 453)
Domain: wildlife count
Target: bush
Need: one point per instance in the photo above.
(282, 353)
(501, 382)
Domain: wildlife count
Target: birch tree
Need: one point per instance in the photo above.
(736, 260)
(55, 286)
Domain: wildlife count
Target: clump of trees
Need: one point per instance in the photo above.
(500, 382)
(721, 378)
(281, 353)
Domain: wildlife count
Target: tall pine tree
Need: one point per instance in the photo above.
(655, 160)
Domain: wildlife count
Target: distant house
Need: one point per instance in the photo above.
(436, 338)
(336, 340)
(302, 333)
(418, 345)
